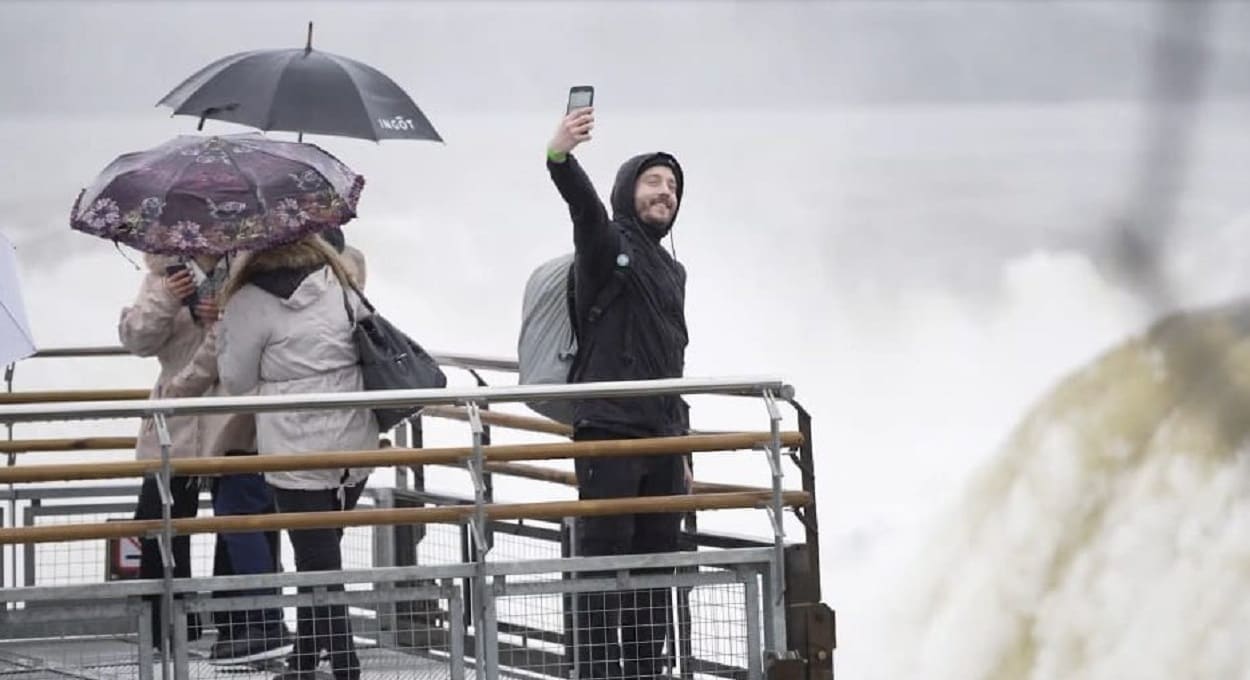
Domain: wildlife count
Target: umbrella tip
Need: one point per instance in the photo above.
(308, 45)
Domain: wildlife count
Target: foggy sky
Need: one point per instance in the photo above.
(878, 209)
(488, 56)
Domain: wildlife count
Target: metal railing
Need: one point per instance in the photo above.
(482, 583)
(468, 362)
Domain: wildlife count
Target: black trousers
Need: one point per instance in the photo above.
(186, 503)
(640, 617)
(321, 628)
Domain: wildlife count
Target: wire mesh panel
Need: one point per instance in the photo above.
(82, 562)
(718, 629)
(520, 540)
(357, 542)
(349, 634)
(623, 625)
(61, 642)
(440, 544)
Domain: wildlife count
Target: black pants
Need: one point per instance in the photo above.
(324, 627)
(245, 553)
(186, 503)
(641, 616)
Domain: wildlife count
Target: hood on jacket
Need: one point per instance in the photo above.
(286, 272)
(624, 190)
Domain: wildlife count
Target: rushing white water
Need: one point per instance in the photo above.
(1110, 537)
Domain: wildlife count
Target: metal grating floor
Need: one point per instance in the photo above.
(117, 659)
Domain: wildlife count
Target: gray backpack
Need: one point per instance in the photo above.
(547, 345)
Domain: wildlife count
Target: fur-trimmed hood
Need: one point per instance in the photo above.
(278, 271)
(299, 255)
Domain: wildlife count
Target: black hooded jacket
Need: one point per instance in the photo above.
(641, 333)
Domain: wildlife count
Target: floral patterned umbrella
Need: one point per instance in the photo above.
(212, 195)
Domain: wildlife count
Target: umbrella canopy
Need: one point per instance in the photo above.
(15, 339)
(301, 90)
(213, 195)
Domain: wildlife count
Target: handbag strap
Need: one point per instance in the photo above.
(347, 305)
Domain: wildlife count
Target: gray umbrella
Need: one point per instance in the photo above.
(301, 90)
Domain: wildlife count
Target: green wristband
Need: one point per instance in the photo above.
(556, 156)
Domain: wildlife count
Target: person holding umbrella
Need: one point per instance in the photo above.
(187, 203)
(286, 328)
(158, 323)
(246, 636)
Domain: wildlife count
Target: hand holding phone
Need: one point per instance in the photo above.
(578, 121)
(179, 281)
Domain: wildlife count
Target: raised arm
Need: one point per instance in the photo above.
(591, 232)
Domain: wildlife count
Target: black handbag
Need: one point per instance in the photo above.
(390, 360)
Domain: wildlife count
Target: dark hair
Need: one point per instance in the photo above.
(334, 236)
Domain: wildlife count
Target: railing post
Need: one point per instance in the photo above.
(144, 609)
(482, 594)
(11, 549)
(751, 595)
(181, 637)
(416, 439)
(806, 462)
(455, 622)
(476, 466)
(776, 512)
(164, 483)
(401, 441)
(774, 463)
(572, 642)
(488, 479)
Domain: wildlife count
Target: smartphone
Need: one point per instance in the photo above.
(197, 275)
(580, 96)
(194, 298)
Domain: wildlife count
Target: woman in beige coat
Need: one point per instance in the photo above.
(160, 323)
(285, 329)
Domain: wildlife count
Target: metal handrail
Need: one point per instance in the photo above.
(330, 460)
(754, 387)
(469, 362)
(498, 419)
(451, 514)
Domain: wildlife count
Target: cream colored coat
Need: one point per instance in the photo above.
(297, 345)
(159, 325)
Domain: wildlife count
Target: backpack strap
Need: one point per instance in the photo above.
(606, 295)
(615, 284)
(570, 299)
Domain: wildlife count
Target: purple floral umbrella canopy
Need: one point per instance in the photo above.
(212, 195)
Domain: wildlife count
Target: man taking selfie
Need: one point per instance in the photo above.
(629, 295)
